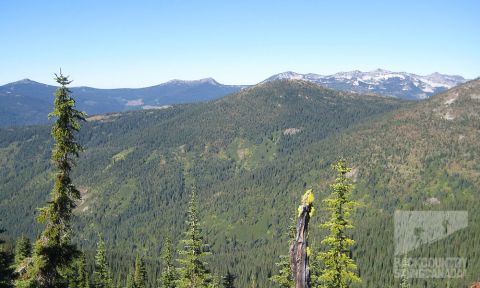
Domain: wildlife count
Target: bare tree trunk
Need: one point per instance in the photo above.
(298, 250)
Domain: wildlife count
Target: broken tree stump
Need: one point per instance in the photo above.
(298, 248)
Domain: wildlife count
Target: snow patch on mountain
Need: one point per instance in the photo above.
(451, 100)
(380, 81)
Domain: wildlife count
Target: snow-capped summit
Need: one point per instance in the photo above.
(347, 75)
(444, 80)
(380, 81)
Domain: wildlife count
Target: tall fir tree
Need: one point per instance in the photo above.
(101, 275)
(193, 272)
(23, 249)
(339, 269)
(169, 274)
(140, 276)
(228, 281)
(53, 251)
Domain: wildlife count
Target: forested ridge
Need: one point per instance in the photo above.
(250, 156)
(27, 102)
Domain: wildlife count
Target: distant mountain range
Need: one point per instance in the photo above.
(383, 82)
(27, 102)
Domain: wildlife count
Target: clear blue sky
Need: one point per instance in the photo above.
(139, 43)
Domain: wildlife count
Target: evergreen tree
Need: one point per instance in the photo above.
(130, 283)
(193, 272)
(284, 276)
(23, 249)
(101, 275)
(82, 275)
(228, 280)
(77, 273)
(71, 273)
(140, 276)
(339, 269)
(215, 282)
(169, 275)
(53, 252)
(5, 265)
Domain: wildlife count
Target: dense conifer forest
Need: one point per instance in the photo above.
(203, 195)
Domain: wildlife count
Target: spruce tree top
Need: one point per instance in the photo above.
(54, 252)
(56, 215)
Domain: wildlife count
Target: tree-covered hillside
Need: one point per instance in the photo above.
(250, 156)
(421, 157)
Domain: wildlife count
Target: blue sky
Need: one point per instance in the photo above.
(140, 43)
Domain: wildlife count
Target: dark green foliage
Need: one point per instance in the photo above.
(339, 269)
(6, 271)
(82, 275)
(23, 253)
(247, 171)
(140, 276)
(169, 273)
(284, 276)
(133, 173)
(192, 269)
(53, 251)
(228, 281)
(23, 249)
(101, 276)
(77, 274)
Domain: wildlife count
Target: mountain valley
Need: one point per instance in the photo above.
(251, 155)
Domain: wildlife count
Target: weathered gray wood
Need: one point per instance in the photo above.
(298, 249)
